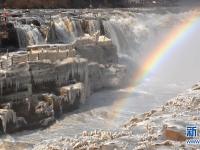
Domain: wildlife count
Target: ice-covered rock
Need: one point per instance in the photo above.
(106, 76)
(103, 53)
(47, 121)
(51, 79)
(69, 93)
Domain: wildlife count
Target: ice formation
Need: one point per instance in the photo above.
(7, 116)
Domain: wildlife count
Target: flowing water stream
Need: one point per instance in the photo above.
(136, 34)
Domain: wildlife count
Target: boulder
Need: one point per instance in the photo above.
(44, 110)
(173, 135)
(54, 100)
(47, 121)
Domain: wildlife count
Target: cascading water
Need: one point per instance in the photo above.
(66, 30)
(60, 31)
(57, 30)
(131, 31)
(35, 36)
(22, 37)
(78, 32)
(28, 35)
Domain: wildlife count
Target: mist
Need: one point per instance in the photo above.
(182, 63)
(189, 3)
(138, 36)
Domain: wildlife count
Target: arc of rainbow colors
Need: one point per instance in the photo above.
(176, 35)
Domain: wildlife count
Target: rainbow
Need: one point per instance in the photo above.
(176, 36)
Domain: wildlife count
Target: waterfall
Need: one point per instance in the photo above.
(35, 36)
(66, 30)
(78, 31)
(132, 32)
(138, 34)
(60, 31)
(29, 35)
(22, 38)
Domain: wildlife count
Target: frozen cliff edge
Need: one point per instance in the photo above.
(161, 128)
(38, 85)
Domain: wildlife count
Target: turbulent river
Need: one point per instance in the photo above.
(135, 34)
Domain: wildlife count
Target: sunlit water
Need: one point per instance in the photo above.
(134, 35)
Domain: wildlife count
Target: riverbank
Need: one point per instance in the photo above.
(161, 128)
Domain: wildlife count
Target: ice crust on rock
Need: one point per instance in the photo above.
(64, 75)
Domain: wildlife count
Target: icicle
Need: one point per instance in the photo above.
(16, 85)
(6, 116)
(1, 86)
(29, 104)
(70, 95)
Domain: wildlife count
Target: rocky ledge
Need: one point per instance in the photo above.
(161, 128)
(38, 85)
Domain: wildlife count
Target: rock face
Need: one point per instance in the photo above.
(37, 86)
(110, 76)
(103, 52)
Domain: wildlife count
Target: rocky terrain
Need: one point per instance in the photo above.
(39, 85)
(63, 61)
(161, 128)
